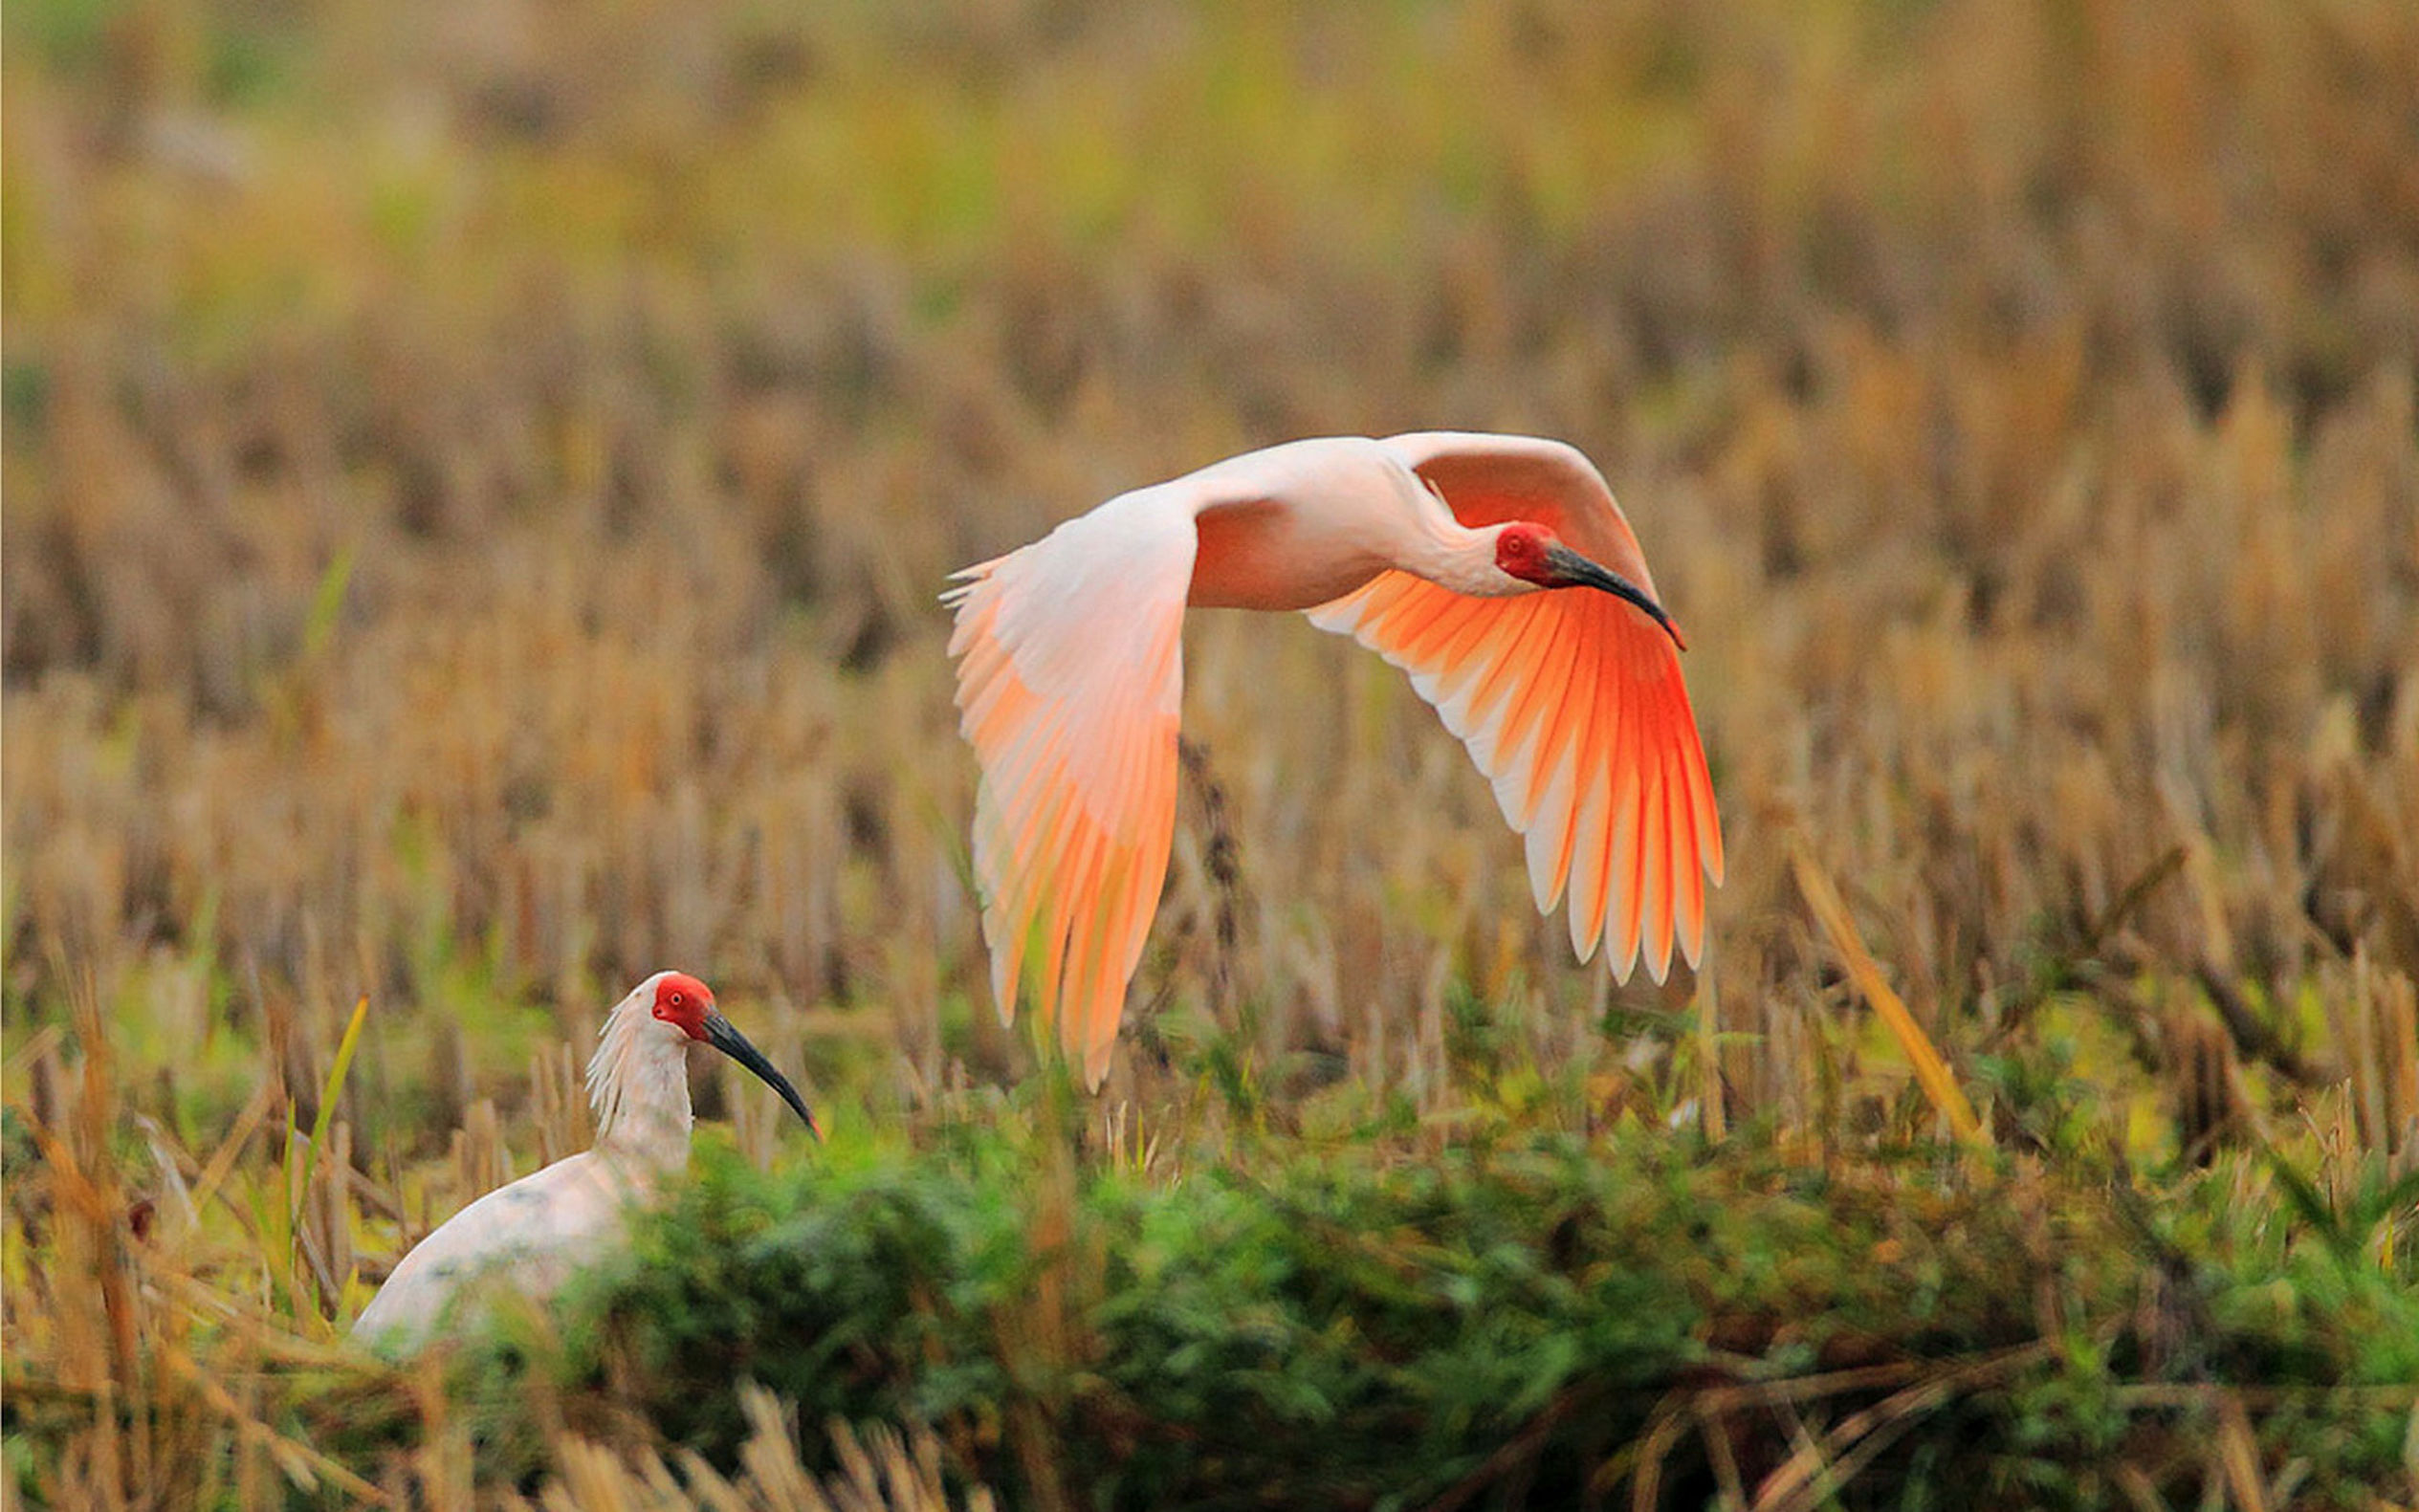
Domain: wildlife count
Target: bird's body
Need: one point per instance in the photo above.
(1437, 549)
(530, 1234)
(533, 1233)
(1256, 554)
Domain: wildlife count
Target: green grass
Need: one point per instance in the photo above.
(1365, 1320)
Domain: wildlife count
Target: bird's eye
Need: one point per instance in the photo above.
(677, 1000)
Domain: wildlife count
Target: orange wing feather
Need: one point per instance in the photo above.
(1571, 702)
(1070, 678)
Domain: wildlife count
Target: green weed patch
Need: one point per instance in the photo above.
(1547, 1316)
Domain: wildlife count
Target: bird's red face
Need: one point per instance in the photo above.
(683, 1001)
(1521, 552)
(687, 1004)
(1533, 554)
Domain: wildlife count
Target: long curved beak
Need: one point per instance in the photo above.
(1577, 572)
(720, 1034)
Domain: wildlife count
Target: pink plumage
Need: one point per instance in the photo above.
(1496, 570)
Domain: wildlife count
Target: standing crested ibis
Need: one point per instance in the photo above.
(1496, 570)
(536, 1231)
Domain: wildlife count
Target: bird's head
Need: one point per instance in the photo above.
(1535, 555)
(687, 1005)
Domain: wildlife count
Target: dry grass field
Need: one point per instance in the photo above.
(477, 478)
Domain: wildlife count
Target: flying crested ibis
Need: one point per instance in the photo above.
(1496, 570)
(533, 1232)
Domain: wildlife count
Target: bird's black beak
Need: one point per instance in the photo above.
(1577, 572)
(731, 1042)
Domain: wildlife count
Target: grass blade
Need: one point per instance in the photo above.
(1930, 1069)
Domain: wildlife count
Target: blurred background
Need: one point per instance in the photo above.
(477, 476)
(474, 480)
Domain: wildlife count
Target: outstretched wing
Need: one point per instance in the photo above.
(1571, 701)
(1070, 680)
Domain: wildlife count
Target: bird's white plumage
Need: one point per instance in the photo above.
(529, 1234)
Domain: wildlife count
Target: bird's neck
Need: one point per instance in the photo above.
(638, 1086)
(1453, 556)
